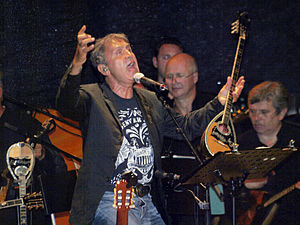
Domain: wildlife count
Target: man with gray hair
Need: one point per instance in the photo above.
(268, 104)
(123, 128)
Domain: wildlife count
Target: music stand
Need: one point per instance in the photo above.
(234, 167)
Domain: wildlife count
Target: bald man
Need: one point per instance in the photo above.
(181, 76)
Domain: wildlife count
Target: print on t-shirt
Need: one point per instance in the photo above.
(136, 153)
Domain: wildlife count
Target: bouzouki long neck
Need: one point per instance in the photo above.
(234, 76)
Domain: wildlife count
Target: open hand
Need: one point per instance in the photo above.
(83, 39)
(222, 96)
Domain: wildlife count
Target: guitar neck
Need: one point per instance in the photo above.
(22, 193)
(279, 195)
(122, 217)
(234, 76)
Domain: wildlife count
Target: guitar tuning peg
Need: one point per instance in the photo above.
(235, 31)
(132, 203)
(235, 23)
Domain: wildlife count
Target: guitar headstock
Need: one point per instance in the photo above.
(241, 25)
(34, 201)
(123, 196)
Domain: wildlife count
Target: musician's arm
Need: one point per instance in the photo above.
(256, 183)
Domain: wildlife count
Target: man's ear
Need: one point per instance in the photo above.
(154, 61)
(283, 113)
(195, 75)
(103, 69)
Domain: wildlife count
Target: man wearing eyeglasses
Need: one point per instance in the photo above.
(181, 77)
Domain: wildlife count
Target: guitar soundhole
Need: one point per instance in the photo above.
(223, 134)
(223, 129)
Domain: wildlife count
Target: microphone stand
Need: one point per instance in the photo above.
(179, 129)
(160, 95)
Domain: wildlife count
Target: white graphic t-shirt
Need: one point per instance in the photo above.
(136, 153)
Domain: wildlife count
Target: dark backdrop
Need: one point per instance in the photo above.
(38, 39)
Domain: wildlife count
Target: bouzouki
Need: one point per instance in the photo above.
(219, 135)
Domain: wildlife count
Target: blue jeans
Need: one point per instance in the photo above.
(144, 212)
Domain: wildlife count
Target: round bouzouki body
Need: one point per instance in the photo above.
(218, 137)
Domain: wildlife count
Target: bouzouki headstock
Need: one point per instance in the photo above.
(241, 25)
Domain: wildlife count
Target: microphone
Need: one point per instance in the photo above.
(169, 176)
(140, 78)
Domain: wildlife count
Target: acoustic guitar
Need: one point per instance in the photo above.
(219, 135)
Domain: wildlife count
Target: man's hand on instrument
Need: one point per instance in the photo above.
(82, 50)
(222, 96)
(38, 149)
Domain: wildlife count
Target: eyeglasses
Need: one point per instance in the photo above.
(178, 75)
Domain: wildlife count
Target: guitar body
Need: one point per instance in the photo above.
(255, 199)
(218, 137)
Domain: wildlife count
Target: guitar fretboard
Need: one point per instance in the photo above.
(234, 77)
(279, 195)
(22, 193)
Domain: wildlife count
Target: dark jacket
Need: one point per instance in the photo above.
(93, 105)
(286, 174)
